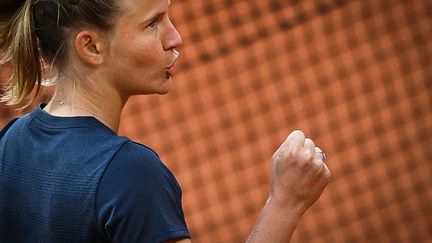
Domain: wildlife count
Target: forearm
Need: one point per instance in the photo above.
(275, 224)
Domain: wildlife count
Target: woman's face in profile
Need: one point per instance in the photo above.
(141, 48)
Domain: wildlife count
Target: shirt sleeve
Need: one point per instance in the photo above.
(9, 125)
(139, 199)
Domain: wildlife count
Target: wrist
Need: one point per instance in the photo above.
(296, 210)
(276, 223)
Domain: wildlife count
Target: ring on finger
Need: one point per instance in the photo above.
(323, 155)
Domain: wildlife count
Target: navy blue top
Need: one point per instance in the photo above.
(72, 179)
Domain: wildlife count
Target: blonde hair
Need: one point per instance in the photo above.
(36, 31)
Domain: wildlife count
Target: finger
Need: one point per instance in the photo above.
(319, 160)
(295, 140)
(319, 154)
(309, 148)
(328, 171)
(327, 174)
(296, 135)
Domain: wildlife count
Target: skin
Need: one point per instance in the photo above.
(299, 176)
(105, 69)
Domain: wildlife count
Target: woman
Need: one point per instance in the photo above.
(65, 174)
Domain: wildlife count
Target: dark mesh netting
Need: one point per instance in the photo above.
(356, 76)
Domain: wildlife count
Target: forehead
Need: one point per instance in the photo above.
(143, 8)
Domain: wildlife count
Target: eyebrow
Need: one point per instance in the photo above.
(156, 16)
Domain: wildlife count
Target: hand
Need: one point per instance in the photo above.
(299, 174)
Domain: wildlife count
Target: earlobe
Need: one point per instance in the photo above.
(89, 47)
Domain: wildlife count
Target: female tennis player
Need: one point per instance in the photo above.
(65, 174)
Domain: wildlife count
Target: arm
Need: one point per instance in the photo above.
(299, 175)
(275, 224)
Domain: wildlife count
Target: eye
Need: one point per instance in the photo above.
(153, 24)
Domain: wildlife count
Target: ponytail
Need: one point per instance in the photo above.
(35, 32)
(20, 43)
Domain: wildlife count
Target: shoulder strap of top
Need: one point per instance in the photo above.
(3, 132)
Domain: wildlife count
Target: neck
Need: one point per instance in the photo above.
(71, 100)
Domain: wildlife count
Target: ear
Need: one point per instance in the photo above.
(90, 47)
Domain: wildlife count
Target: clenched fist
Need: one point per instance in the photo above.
(299, 174)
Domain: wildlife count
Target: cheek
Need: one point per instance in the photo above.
(142, 55)
(135, 65)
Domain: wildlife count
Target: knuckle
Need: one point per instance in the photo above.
(291, 152)
(310, 141)
(309, 156)
(311, 166)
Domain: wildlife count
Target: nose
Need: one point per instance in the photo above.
(172, 38)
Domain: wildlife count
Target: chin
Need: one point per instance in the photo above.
(166, 86)
(162, 88)
(163, 92)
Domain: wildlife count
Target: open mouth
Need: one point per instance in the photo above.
(170, 71)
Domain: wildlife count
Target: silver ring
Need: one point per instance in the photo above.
(323, 155)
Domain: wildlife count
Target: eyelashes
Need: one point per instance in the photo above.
(153, 25)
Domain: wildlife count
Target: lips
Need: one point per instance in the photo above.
(171, 70)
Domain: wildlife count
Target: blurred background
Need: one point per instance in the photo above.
(356, 76)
